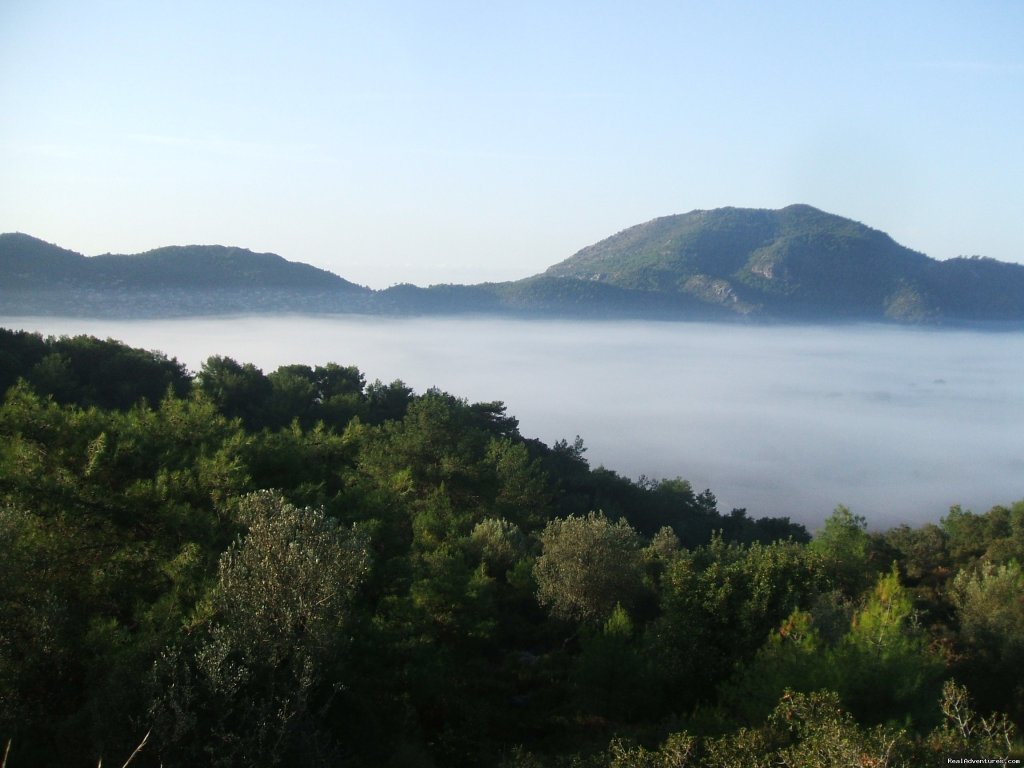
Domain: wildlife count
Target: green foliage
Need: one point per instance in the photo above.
(843, 545)
(331, 394)
(113, 541)
(965, 535)
(498, 544)
(609, 674)
(587, 566)
(718, 604)
(965, 734)
(676, 752)
(886, 670)
(427, 587)
(87, 371)
(238, 391)
(254, 683)
(881, 667)
(997, 535)
(793, 658)
(816, 731)
(387, 402)
(990, 608)
(921, 552)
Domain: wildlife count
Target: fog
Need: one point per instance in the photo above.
(898, 424)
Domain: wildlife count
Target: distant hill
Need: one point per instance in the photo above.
(798, 263)
(793, 264)
(28, 264)
(213, 266)
(39, 278)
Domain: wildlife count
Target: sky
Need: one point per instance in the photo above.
(464, 142)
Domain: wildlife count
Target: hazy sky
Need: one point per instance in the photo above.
(468, 141)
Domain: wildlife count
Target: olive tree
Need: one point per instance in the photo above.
(263, 667)
(587, 566)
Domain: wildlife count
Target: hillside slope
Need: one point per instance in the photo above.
(37, 277)
(797, 262)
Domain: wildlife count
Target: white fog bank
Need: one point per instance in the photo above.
(898, 424)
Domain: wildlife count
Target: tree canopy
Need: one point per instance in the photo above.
(302, 568)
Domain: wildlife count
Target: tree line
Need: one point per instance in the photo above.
(300, 567)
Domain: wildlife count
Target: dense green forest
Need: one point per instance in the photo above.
(298, 567)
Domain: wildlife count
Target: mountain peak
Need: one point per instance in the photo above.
(797, 262)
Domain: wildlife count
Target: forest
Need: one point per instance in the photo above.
(230, 567)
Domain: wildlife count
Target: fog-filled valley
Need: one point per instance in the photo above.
(898, 424)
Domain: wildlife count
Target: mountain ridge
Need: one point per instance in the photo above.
(222, 266)
(37, 277)
(797, 259)
(797, 263)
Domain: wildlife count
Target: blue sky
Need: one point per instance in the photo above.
(465, 141)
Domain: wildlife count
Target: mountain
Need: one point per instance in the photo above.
(797, 263)
(41, 278)
(27, 264)
(793, 264)
(214, 266)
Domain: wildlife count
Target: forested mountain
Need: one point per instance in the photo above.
(240, 568)
(40, 278)
(797, 263)
(27, 261)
